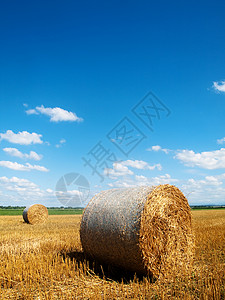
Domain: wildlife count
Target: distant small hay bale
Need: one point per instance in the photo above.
(147, 230)
(35, 214)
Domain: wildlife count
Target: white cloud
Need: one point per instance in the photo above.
(219, 86)
(19, 185)
(21, 191)
(221, 141)
(73, 197)
(62, 141)
(17, 181)
(121, 168)
(20, 167)
(15, 152)
(141, 165)
(32, 112)
(118, 170)
(208, 181)
(157, 148)
(56, 114)
(202, 183)
(33, 155)
(121, 184)
(163, 179)
(22, 138)
(141, 180)
(70, 193)
(207, 190)
(207, 160)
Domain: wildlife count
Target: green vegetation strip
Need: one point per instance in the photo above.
(51, 211)
(207, 207)
(67, 211)
(17, 211)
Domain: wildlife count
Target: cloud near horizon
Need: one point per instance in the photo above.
(23, 192)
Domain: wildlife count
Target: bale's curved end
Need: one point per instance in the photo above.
(147, 230)
(35, 214)
(166, 238)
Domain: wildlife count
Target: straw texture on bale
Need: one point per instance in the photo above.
(147, 230)
(35, 214)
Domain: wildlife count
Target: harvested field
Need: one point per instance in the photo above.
(46, 262)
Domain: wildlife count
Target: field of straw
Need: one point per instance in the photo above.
(46, 262)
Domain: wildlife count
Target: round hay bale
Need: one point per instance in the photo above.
(35, 214)
(147, 230)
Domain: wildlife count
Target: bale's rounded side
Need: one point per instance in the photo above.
(143, 229)
(35, 214)
(25, 214)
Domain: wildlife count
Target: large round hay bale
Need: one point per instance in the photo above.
(147, 230)
(35, 214)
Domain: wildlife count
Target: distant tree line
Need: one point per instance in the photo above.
(207, 206)
(11, 207)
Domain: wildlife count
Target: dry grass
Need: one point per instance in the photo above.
(46, 262)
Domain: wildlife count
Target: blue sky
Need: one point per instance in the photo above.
(71, 75)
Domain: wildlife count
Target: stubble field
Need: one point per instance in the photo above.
(46, 262)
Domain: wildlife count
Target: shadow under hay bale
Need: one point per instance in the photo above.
(104, 271)
(146, 230)
(35, 214)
